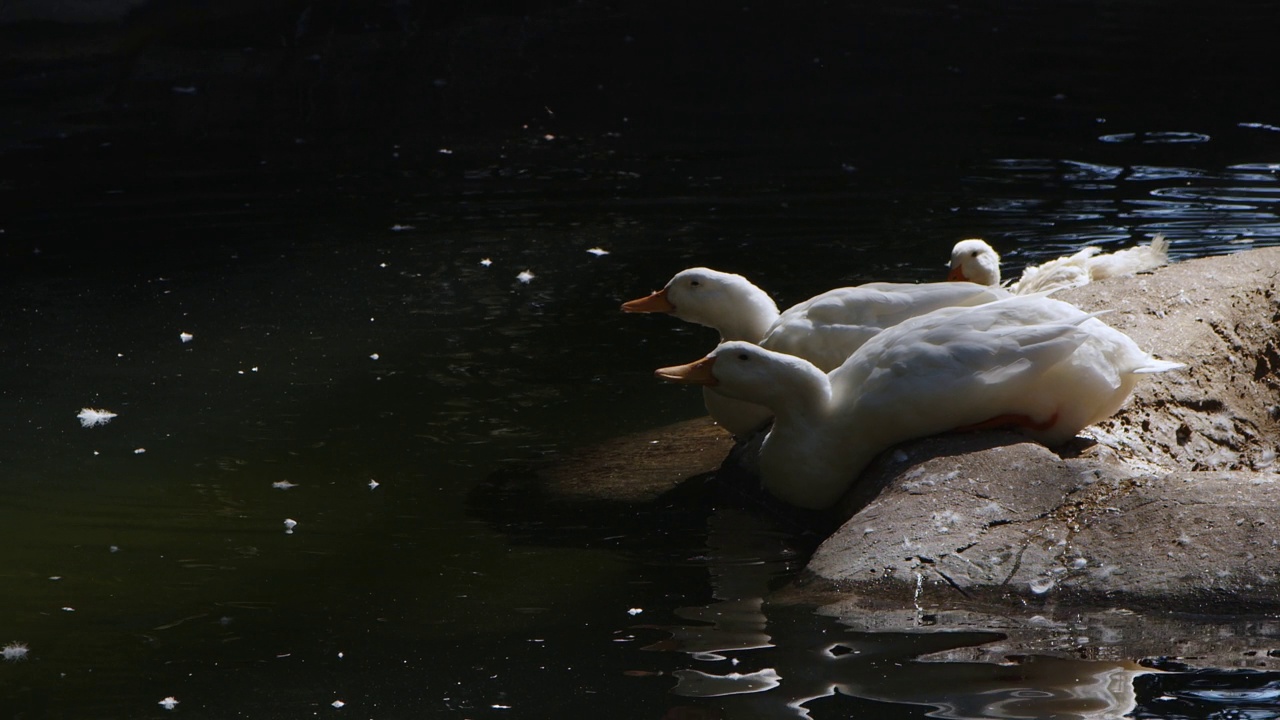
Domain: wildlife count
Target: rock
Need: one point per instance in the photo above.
(641, 466)
(1017, 522)
(1172, 503)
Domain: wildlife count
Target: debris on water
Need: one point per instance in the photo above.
(186, 337)
(283, 485)
(525, 276)
(89, 417)
(337, 703)
(68, 609)
(168, 703)
(486, 262)
(185, 89)
(14, 652)
(139, 451)
(289, 525)
(373, 484)
(401, 228)
(635, 611)
(598, 252)
(374, 356)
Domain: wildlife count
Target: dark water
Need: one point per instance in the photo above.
(318, 226)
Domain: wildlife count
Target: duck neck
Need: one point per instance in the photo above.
(815, 450)
(989, 271)
(750, 317)
(803, 399)
(803, 460)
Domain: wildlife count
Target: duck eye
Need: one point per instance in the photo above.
(974, 254)
(694, 283)
(743, 356)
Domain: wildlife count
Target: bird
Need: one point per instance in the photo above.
(1039, 365)
(824, 329)
(973, 260)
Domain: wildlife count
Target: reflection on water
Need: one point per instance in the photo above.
(753, 660)
(1227, 695)
(1033, 687)
(1157, 137)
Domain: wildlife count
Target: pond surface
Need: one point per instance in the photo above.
(327, 344)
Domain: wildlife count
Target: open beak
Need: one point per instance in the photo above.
(956, 274)
(654, 302)
(695, 373)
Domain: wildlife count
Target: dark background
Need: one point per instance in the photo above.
(317, 100)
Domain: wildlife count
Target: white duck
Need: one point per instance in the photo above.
(825, 329)
(1039, 364)
(975, 261)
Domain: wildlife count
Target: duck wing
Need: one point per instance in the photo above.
(828, 328)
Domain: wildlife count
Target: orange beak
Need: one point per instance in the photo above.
(654, 302)
(695, 373)
(957, 274)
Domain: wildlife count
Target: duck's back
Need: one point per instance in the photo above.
(1038, 361)
(828, 328)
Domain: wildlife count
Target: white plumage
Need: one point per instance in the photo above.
(1039, 364)
(825, 329)
(975, 261)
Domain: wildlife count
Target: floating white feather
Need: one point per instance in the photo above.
(90, 417)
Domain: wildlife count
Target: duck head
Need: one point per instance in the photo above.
(975, 261)
(726, 302)
(745, 371)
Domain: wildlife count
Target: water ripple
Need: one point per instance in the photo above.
(1259, 126)
(1158, 137)
(1221, 194)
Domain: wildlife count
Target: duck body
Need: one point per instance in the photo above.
(825, 329)
(1034, 363)
(974, 260)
